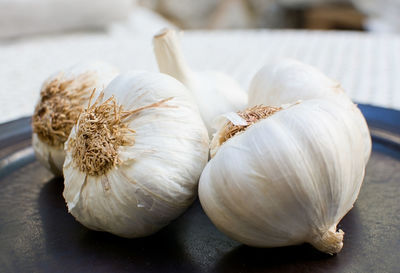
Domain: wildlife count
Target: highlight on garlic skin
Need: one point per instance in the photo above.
(134, 157)
(62, 98)
(288, 80)
(285, 81)
(286, 175)
(215, 92)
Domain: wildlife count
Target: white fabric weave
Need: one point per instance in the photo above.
(368, 66)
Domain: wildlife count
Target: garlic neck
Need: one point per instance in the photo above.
(169, 56)
(330, 242)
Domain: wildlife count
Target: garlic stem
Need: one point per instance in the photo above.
(170, 57)
(330, 242)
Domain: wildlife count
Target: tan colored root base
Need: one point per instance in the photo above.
(102, 129)
(61, 102)
(251, 115)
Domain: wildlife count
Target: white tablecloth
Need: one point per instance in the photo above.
(368, 66)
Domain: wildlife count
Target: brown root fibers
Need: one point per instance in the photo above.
(101, 130)
(61, 102)
(251, 115)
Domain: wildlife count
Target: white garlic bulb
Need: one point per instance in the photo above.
(286, 175)
(214, 92)
(133, 160)
(286, 81)
(62, 98)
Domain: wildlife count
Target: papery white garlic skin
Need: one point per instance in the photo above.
(52, 157)
(286, 81)
(100, 74)
(158, 175)
(289, 178)
(215, 92)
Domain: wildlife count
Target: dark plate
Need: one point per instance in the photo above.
(38, 235)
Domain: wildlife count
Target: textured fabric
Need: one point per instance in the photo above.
(368, 66)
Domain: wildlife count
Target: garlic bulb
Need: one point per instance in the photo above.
(134, 157)
(62, 98)
(215, 92)
(286, 175)
(287, 80)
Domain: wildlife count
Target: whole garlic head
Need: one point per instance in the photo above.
(215, 92)
(63, 96)
(286, 175)
(135, 156)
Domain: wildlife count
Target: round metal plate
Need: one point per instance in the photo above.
(38, 235)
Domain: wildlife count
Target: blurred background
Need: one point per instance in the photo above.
(19, 18)
(372, 15)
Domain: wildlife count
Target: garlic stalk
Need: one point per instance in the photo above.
(62, 98)
(134, 157)
(214, 92)
(287, 174)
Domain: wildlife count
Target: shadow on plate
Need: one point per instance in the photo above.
(69, 246)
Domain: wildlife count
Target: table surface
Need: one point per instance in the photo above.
(38, 235)
(367, 65)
